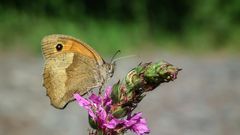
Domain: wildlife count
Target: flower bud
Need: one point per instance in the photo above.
(116, 93)
(92, 123)
(119, 111)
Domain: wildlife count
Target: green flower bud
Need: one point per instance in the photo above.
(116, 93)
(145, 77)
(120, 112)
(92, 123)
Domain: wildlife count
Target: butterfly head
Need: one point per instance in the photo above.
(111, 68)
(111, 65)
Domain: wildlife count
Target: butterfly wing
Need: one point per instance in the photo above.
(70, 44)
(69, 73)
(77, 68)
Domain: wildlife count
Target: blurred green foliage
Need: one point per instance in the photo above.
(108, 25)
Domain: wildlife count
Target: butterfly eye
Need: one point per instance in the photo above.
(59, 47)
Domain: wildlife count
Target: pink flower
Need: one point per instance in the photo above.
(98, 108)
(137, 124)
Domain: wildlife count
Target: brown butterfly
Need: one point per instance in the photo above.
(71, 66)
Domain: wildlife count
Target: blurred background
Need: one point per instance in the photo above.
(200, 36)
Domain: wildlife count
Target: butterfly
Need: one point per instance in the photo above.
(71, 66)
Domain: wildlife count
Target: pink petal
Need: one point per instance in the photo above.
(108, 92)
(141, 127)
(136, 116)
(85, 104)
(92, 114)
(141, 130)
(95, 99)
(82, 101)
(107, 101)
(137, 124)
(111, 124)
(133, 119)
(102, 114)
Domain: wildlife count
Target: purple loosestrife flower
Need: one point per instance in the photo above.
(99, 110)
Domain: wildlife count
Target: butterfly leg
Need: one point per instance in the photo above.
(89, 92)
(100, 90)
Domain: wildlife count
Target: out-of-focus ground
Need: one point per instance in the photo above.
(204, 100)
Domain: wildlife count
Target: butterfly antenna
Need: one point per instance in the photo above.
(124, 57)
(117, 52)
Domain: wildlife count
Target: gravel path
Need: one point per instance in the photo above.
(204, 100)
